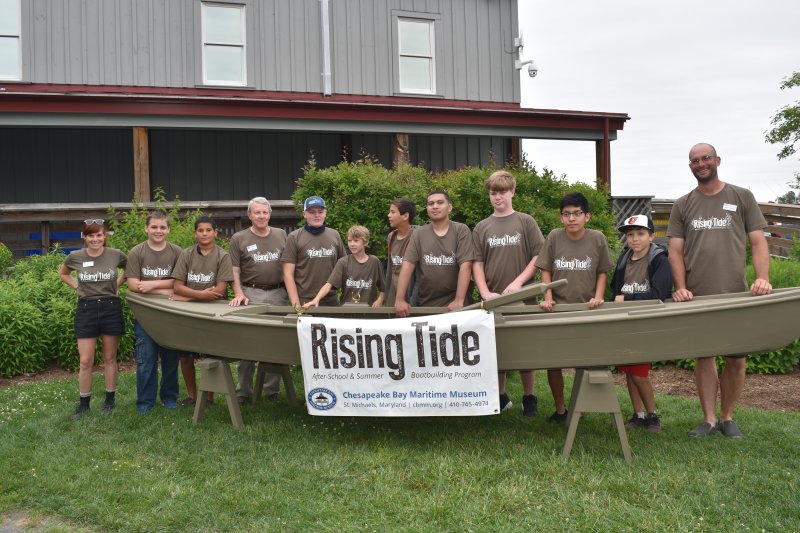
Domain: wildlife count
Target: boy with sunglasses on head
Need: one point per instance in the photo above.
(582, 257)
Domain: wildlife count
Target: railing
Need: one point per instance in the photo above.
(29, 229)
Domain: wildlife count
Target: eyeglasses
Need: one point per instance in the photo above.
(704, 159)
(90, 221)
(571, 214)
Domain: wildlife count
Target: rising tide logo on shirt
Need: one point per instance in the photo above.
(439, 260)
(156, 272)
(504, 240)
(266, 257)
(635, 287)
(317, 253)
(199, 277)
(94, 277)
(358, 283)
(701, 223)
(562, 263)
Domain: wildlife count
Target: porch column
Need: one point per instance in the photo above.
(603, 157)
(400, 152)
(141, 164)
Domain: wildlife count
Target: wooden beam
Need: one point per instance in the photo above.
(400, 154)
(516, 151)
(141, 164)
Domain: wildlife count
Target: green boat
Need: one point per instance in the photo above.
(527, 338)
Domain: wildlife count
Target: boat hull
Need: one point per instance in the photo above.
(527, 338)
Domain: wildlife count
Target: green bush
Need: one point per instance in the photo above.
(23, 334)
(361, 192)
(127, 229)
(6, 260)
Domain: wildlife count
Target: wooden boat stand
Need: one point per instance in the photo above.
(593, 391)
(216, 376)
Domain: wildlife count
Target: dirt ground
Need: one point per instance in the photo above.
(776, 392)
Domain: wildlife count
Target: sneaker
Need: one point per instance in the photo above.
(243, 400)
(188, 402)
(505, 402)
(274, 397)
(559, 418)
(703, 430)
(144, 409)
(730, 429)
(530, 405)
(635, 422)
(79, 412)
(171, 404)
(652, 423)
(108, 408)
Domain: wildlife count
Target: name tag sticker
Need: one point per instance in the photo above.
(729, 207)
(88, 264)
(252, 247)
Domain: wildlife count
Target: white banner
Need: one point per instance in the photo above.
(440, 365)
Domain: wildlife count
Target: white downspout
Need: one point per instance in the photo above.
(326, 48)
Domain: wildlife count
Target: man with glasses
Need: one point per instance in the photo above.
(708, 232)
(581, 256)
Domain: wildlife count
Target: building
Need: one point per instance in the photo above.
(101, 100)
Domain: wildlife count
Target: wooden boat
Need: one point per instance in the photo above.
(527, 338)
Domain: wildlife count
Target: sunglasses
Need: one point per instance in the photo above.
(90, 221)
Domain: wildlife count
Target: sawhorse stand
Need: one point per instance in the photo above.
(593, 391)
(288, 384)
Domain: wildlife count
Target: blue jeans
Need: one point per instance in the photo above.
(146, 353)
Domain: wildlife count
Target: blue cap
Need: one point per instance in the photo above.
(313, 201)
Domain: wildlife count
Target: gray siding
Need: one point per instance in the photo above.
(157, 43)
(439, 153)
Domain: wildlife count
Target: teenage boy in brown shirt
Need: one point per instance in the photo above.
(581, 256)
(506, 247)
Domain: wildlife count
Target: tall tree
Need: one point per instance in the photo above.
(786, 131)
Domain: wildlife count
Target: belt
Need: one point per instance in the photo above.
(264, 287)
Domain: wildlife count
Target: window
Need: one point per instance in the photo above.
(416, 61)
(223, 45)
(10, 40)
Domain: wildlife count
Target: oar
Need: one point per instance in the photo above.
(516, 296)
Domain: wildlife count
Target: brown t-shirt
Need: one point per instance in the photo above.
(714, 229)
(97, 276)
(199, 271)
(361, 280)
(579, 262)
(144, 263)
(397, 249)
(506, 245)
(314, 257)
(636, 279)
(258, 258)
(438, 260)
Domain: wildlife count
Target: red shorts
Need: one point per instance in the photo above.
(636, 370)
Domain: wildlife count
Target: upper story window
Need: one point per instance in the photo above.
(10, 57)
(223, 44)
(416, 57)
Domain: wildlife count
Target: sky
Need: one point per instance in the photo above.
(684, 71)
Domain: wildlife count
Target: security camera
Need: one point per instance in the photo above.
(533, 70)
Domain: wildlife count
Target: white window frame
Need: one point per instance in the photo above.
(432, 57)
(18, 37)
(242, 45)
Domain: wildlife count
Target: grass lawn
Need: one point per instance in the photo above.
(288, 471)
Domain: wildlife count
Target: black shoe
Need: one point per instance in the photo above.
(530, 405)
(505, 402)
(652, 423)
(79, 412)
(635, 422)
(108, 408)
(730, 429)
(559, 418)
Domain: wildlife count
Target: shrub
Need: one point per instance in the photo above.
(6, 260)
(23, 332)
(361, 192)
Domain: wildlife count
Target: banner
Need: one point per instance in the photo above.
(439, 365)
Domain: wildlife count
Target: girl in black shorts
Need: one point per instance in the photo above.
(99, 311)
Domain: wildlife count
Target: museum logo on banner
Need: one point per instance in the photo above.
(439, 365)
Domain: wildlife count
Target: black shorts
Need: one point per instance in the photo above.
(99, 316)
